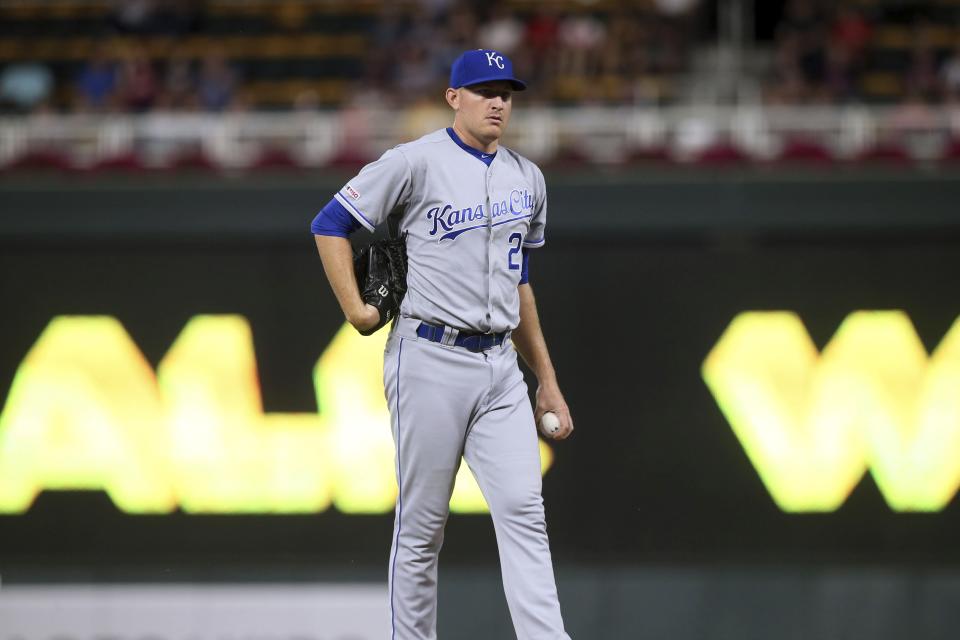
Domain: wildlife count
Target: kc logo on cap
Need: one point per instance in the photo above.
(483, 65)
(494, 57)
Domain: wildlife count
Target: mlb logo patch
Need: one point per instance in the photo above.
(353, 193)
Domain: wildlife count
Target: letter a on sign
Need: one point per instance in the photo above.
(86, 412)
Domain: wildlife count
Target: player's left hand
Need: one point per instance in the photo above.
(549, 398)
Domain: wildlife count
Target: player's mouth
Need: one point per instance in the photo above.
(495, 119)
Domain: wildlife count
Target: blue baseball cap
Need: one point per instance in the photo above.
(483, 65)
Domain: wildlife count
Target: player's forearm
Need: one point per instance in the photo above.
(529, 341)
(337, 257)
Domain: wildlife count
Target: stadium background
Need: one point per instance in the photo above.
(160, 163)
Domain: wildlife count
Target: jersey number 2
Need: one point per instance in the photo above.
(514, 250)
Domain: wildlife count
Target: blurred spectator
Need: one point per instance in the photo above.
(452, 37)
(414, 75)
(503, 31)
(137, 86)
(387, 32)
(802, 35)
(612, 60)
(787, 84)
(580, 37)
(846, 43)
(921, 77)
(850, 32)
(422, 44)
(670, 42)
(541, 34)
(96, 84)
(437, 9)
(25, 86)
(460, 28)
(419, 28)
(179, 87)
(840, 77)
(389, 28)
(950, 76)
(801, 17)
(813, 59)
(217, 83)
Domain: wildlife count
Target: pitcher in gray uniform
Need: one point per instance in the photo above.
(471, 210)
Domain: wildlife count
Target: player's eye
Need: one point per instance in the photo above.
(490, 94)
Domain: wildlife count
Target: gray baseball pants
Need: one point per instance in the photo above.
(447, 402)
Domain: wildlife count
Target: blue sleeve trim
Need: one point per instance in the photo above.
(533, 244)
(334, 220)
(362, 219)
(525, 268)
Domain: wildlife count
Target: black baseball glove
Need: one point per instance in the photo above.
(381, 270)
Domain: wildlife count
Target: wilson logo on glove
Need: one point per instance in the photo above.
(381, 272)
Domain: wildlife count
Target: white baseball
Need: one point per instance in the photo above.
(549, 423)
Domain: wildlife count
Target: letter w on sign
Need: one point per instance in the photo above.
(813, 423)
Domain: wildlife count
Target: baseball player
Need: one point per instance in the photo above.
(470, 211)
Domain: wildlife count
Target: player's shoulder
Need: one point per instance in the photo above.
(423, 146)
(409, 156)
(517, 158)
(521, 163)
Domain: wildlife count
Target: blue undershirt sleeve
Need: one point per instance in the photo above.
(334, 220)
(525, 268)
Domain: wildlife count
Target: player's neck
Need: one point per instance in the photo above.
(472, 141)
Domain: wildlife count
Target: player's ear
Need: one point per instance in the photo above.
(453, 98)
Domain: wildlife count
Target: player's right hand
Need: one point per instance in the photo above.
(366, 318)
(549, 398)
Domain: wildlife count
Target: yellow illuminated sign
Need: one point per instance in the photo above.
(813, 423)
(85, 411)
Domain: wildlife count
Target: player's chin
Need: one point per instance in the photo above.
(494, 127)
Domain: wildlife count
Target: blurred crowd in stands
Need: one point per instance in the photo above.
(621, 54)
(572, 52)
(142, 55)
(837, 53)
(120, 73)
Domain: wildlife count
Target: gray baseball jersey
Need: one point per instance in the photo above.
(467, 224)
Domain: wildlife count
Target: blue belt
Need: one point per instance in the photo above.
(475, 342)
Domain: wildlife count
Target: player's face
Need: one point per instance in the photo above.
(484, 109)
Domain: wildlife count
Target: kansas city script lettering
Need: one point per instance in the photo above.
(519, 204)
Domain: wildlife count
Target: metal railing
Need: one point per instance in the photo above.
(587, 135)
